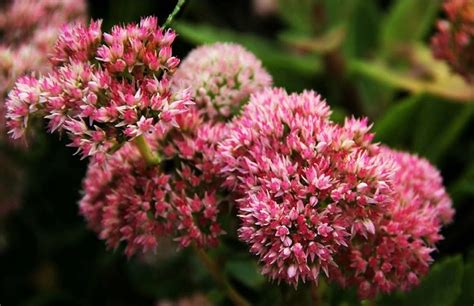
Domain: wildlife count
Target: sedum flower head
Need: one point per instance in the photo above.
(454, 41)
(28, 30)
(105, 88)
(304, 185)
(130, 202)
(397, 253)
(222, 77)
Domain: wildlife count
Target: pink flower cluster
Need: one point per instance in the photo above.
(454, 41)
(399, 251)
(28, 30)
(307, 185)
(128, 200)
(105, 88)
(222, 76)
(314, 195)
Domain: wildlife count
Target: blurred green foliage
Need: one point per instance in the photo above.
(366, 57)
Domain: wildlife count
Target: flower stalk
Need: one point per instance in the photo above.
(146, 152)
(219, 278)
(176, 10)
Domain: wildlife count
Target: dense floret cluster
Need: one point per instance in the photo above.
(398, 252)
(171, 145)
(454, 41)
(105, 89)
(28, 31)
(307, 186)
(222, 76)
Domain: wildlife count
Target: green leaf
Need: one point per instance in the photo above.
(396, 126)
(288, 69)
(446, 86)
(299, 15)
(245, 271)
(362, 28)
(338, 114)
(439, 124)
(467, 288)
(441, 287)
(408, 21)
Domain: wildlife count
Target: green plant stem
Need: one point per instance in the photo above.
(219, 278)
(176, 10)
(145, 150)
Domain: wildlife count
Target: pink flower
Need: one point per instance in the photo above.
(454, 41)
(304, 185)
(128, 201)
(397, 254)
(28, 30)
(222, 77)
(109, 83)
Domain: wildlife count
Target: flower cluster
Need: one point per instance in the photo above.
(128, 200)
(28, 30)
(105, 88)
(397, 253)
(454, 41)
(313, 197)
(306, 185)
(222, 76)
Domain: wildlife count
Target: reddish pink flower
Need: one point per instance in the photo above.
(128, 201)
(397, 254)
(305, 186)
(454, 41)
(222, 77)
(105, 89)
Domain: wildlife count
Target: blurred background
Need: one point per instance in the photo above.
(366, 57)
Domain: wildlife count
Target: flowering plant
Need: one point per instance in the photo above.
(220, 164)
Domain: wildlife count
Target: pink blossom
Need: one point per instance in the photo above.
(222, 77)
(128, 201)
(454, 41)
(28, 30)
(108, 83)
(397, 254)
(305, 186)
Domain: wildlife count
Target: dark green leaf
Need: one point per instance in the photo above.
(245, 271)
(439, 124)
(441, 287)
(396, 126)
(467, 288)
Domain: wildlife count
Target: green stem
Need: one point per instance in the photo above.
(176, 10)
(219, 278)
(145, 150)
